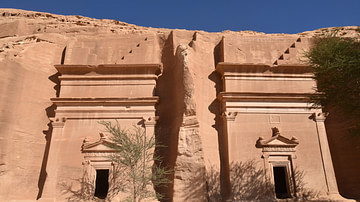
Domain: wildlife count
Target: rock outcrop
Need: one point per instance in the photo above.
(31, 43)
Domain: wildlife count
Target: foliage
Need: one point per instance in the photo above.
(248, 183)
(87, 189)
(134, 159)
(336, 63)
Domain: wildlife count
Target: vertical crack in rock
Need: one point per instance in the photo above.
(189, 182)
(168, 125)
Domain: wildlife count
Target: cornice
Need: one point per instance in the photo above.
(226, 68)
(250, 96)
(142, 101)
(123, 69)
(108, 77)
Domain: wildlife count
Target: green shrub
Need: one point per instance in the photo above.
(336, 64)
(134, 158)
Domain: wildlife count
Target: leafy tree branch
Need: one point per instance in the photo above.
(135, 157)
(336, 64)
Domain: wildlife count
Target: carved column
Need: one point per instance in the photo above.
(49, 191)
(325, 153)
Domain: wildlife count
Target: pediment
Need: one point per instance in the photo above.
(102, 145)
(277, 141)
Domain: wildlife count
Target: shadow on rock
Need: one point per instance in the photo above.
(83, 189)
(248, 183)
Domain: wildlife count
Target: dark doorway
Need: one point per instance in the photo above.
(280, 179)
(102, 183)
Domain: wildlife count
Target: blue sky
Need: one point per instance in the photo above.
(269, 16)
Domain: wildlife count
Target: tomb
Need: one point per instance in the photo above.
(89, 95)
(257, 98)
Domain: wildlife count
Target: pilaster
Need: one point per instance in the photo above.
(149, 123)
(49, 191)
(225, 140)
(229, 118)
(329, 173)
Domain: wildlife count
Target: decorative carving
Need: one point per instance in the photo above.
(278, 149)
(277, 142)
(102, 145)
(320, 117)
(294, 139)
(275, 131)
(150, 120)
(58, 122)
(85, 142)
(98, 154)
(260, 141)
(230, 116)
(86, 162)
(102, 136)
(274, 119)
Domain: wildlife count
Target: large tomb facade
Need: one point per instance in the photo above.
(89, 94)
(268, 118)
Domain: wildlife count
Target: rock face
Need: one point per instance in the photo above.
(212, 100)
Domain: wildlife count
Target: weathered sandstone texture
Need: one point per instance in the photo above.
(230, 109)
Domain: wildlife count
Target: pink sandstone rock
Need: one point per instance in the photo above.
(211, 99)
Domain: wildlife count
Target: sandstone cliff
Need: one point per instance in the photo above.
(31, 43)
